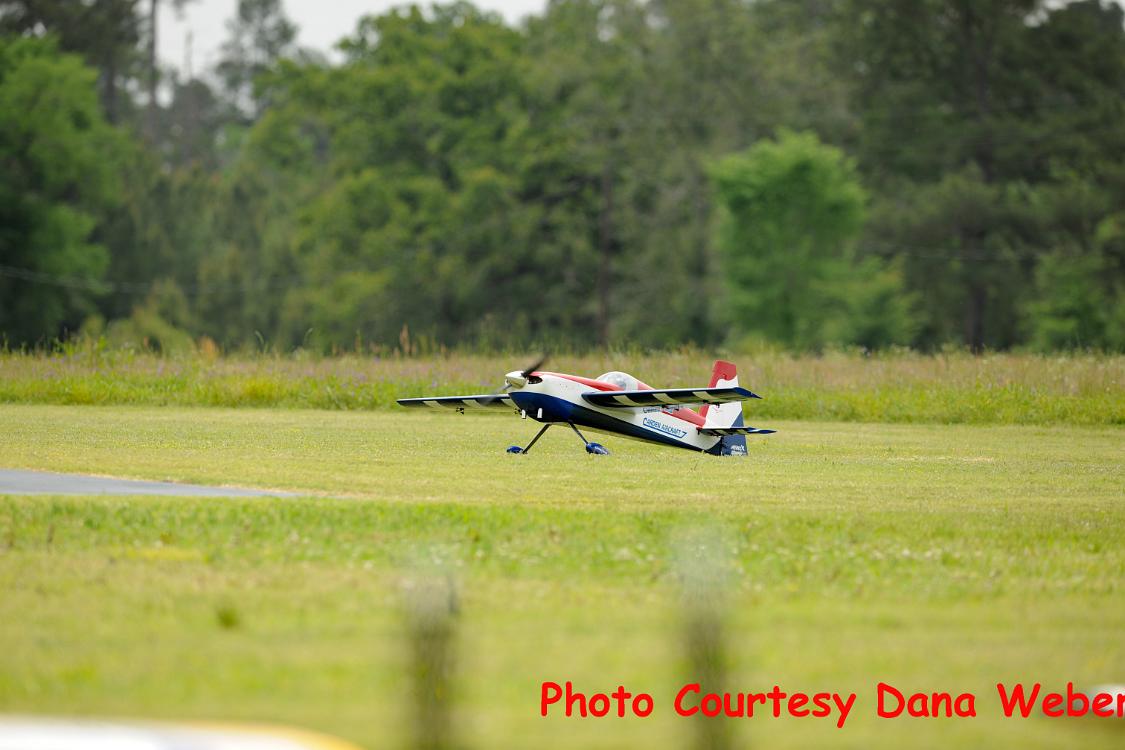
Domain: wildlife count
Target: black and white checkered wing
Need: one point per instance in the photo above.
(667, 397)
(461, 403)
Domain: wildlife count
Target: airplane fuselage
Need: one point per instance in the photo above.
(557, 399)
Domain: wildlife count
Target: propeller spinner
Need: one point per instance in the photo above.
(519, 378)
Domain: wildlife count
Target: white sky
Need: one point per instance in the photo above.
(322, 23)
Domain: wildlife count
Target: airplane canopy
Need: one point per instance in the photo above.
(622, 380)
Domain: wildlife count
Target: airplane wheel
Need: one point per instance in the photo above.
(514, 449)
(596, 449)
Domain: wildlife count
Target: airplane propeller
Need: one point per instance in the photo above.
(518, 381)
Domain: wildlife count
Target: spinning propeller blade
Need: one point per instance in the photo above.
(525, 374)
(542, 361)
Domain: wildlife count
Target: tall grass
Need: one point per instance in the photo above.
(953, 387)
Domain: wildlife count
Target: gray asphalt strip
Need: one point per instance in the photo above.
(22, 482)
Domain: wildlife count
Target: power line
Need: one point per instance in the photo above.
(140, 288)
(70, 282)
(975, 255)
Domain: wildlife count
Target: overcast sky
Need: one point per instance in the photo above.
(321, 22)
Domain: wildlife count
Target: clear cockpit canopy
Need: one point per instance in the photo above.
(622, 380)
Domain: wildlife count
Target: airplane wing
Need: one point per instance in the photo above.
(722, 431)
(668, 396)
(460, 403)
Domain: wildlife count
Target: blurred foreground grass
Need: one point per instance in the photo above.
(893, 387)
(930, 557)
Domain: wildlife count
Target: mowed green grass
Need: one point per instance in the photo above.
(931, 557)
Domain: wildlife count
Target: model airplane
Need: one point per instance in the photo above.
(618, 404)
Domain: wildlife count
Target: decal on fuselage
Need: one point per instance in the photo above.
(652, 424)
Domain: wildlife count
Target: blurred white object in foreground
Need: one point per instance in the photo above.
(36, 733)
(1115, 691)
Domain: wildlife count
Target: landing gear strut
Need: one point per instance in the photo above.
(534, 440)
(596, 449)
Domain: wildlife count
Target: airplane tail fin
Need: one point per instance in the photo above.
(722, 416)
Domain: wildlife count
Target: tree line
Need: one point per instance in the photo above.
(799, 173)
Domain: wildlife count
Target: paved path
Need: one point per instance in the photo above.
(21, 482)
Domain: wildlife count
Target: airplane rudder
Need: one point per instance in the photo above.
(723, 372)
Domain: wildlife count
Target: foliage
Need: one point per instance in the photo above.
(106, 33)
(990, 136)
(465, 182)
(157, 325)
(58, 175)
(793, 210)
(1073, 309)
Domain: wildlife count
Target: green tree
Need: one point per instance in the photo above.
(962, 243)
(495, 185)
(936, 82)
(417, 222)
(977, 119)
(1075, 299)
(1072, 308)
(695, 100)
(249, 265)
(580, 170)
(793, 209)
(57, 151)
(105, 32)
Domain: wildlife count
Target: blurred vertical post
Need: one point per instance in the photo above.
(702, 575)
(432, 608)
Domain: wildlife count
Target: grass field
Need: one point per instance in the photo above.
(932, 557)
(899, 387)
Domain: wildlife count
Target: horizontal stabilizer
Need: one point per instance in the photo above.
(724, 431)
(460, 403)
(668, 397)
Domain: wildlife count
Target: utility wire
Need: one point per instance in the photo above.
(975, 255)
(141, 288)
(70, 282)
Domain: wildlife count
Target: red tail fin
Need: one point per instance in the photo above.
(722, 371)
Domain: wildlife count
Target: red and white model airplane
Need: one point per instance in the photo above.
(618, 404)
